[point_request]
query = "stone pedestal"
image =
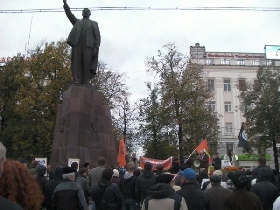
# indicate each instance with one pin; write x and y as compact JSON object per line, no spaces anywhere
{"x":83,"y":129}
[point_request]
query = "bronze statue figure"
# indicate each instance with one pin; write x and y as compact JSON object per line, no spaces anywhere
{"x":84,"y":39}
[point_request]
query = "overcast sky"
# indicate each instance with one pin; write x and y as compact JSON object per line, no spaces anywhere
{"x":128,"y":37}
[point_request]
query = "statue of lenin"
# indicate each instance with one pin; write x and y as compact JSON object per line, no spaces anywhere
{"x":84,"y":39}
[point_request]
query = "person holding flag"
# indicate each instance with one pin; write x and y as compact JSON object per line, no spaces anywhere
{"x":203,"y":157}
{"x":243,"y":139}
{"x":122,"y":153}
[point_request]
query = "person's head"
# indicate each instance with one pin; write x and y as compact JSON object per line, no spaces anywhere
{"x":165,"y":178}
{"x":19,"y":186}
{"x":159,"y":167}
{"x":68,"y":173}
{"x":148,"y":166}
{"x":262,"y":161}
{"x":218,"y":173}
{"x":177,"y":180}
{"x":41,"y":170}
{"x":130,"y":167}
{"x":83,"y":171}
{"x":240,"y":180}
{"x":86,"y":165}
{"x":2,"y":157}
{"x":215,"y":180}
{"x":217,"y":155}
{"x":137,"y":172}
{"x":134,"y":155}
{"x":116,"y":173}
{"x":86,"y":13}
{"x":107,"y":174}
{"x":23,"y":161}
{"x":101,"y":161}
{"x":58,"y":173}
{"x":188,"y":175}
{"x":201,"y":152}
{"x":33,"y":164}
{"x":74,"y":165}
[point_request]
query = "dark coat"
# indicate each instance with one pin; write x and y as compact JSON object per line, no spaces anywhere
{"x":144,"y":182}
{"x":50,"y":186}
{"x":41,"y":180}
{"x":216,"y":195}
{"x":69,"y":195}
{"x":241,"y":199}
{"x":5,"y":204}
{"x":264,"y":189}
{"x":195,"y":198}
{"x":269,"y":170}
{"x":107,"y":196}
{"x":127,"y":186}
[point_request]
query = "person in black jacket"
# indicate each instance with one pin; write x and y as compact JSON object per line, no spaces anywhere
{"x":144,"y":182}
{"x":69,"y":194}
{"x":127,"y":187}
{"x":195,"y":198}
{"x":106,"y":194}
{"x":42,"y":180}
{"x":51,"y":185}
{"x":266,"y":191}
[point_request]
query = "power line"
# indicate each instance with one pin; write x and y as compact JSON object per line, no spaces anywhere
{"x":263,"y":9}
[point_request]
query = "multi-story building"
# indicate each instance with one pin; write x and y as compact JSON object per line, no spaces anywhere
{"x":226,"y":74}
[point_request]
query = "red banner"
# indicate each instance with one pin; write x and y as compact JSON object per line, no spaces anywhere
{"x":166,"y":163}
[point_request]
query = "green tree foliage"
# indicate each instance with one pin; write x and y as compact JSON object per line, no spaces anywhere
{"x":261,"y":107}
{"x":181,"y":95}
{"x":31,"y":89}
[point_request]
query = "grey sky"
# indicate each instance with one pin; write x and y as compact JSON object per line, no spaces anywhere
{"x":128,"y":37}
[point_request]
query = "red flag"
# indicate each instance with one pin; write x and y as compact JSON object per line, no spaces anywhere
{"x":122,"y":153}
{"x":202,"y":146}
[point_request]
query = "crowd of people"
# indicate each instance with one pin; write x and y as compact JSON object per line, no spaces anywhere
{"x":151,"y":188}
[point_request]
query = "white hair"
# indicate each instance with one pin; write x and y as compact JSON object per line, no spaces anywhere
{"x":68,"y":176}
{"x":2,"y":152}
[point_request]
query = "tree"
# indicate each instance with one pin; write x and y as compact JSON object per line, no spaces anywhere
{"x":260,"y":105}
{"x":31,"y":89}
{"x":183,"y":95}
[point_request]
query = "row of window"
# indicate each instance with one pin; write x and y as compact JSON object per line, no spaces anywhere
{"x":227,"y":106}
{"x":227,"y":84}
{"x":240,"y":62}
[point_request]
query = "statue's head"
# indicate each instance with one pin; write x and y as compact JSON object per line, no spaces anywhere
{"x":86,"y":13}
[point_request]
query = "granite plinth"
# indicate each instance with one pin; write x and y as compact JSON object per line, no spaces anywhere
{"x":83,"y":128}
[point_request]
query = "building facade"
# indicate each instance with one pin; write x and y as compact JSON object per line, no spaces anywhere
{"x":226,"y":74}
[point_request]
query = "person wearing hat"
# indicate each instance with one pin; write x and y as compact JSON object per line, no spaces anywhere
{"x":162,"y":196}
{"x":207,"y":183}
{"x":194,"y":197}
{"x":41,"y":180}
{"x":241,"y":199}
{"x":144,"y":182}
{"x":216,"y":193}
{"x":69,"y":194}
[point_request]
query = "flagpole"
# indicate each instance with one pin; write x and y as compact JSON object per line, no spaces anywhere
{"x":189,"y":156}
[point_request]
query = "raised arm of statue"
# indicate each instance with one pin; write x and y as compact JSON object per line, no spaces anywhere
{"x":69,"y":14}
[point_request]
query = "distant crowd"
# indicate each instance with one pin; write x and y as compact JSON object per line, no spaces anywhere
{"x":132,"y":188}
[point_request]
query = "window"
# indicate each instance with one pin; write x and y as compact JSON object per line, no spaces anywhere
{"x":209,"y":62}
{"x":212,"y":106}
{"x":225,"y":61}
{"x":255,"y":62}
{"x":227,"y":106}
{"x":257,"y":86}
{"x":240,"y":62}
{"x":228,"y":128}
{"x":227,"y":85}
{"x":242,"y":85}
{"x":211,"y":85}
